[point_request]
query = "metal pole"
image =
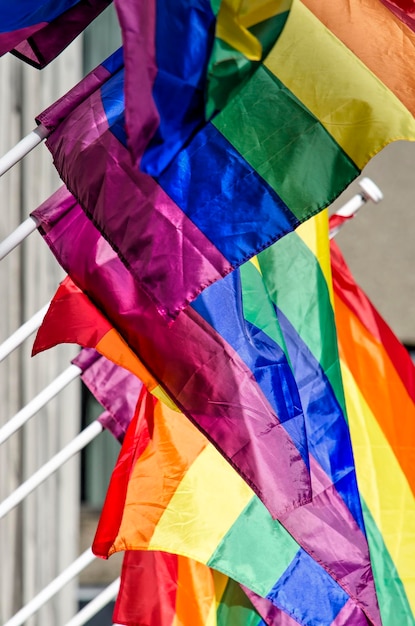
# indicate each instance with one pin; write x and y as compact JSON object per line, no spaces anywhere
{"x":22,"y":333}
{"x":77,"y":444}
{"x":370,"y":191}
{"x":49,"y":392}
{"x":17,"y":236}
{"x":92,"y":608}
{"x":48,"y":592}
{"x":25,"y":145}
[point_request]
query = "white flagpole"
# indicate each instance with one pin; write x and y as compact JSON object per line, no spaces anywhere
{"x":17,"y":236}
{"x":92,"y":608}
{"x":370,"y":191}
{"x":25,"y":145}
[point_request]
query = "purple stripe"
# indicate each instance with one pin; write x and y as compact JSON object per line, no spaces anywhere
{"x":10,"y":40}
{"x":40,"y":48}
{"x":138,"y":24}
{"x":350,"y":614}
{"x":54,"y":115}
{"x":326,"y":529}
{"x":199,"y":370}
{"x":86,"y":358}
{"x":272,"y":615}
{"x":115,"y":388}
{"x":150,"y":229}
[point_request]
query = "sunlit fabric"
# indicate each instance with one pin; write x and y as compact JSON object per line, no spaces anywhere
{"x":403,"y":9}
{"x":37,"y":32}
{"x":379,"y":383}
{"x":113,"y":387}
{"x":323,"y":602}
{"x":176,"y":591}
{"x":248,"y":176}
{"x":280,"y":304}
{"x":164,"y":495}
{"x":188,"y":359}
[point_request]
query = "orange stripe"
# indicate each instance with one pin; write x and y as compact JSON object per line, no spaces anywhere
{"x":156,"y":475}
{"x":195,"y":593}
{"x":377,"y":37}
{"x":370,"y":365}
{"x":113,"y":347}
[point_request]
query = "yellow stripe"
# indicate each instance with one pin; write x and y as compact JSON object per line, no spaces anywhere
{"x":382,"y":484}
{"x":201,"y":508}
{"x":315,"y":234}
{"x":236,"y":16}
{"x":355,"y":107}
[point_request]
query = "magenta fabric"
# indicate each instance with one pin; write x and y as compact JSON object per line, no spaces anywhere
{"x":138,"y":23}
{"x":198,"y":369}
{"x":115,"y":388}
{"x":145,"y":223}
{"x":41,"y":43}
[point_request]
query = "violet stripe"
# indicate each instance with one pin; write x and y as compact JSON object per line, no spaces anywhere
{"x":272,"y":615}
{"x":48,"y":42}
{"x":116,"y":389}
{"x":326,"y":529}
{"x":54,"y":115}
{"x":350,"y":614}
{"x":200,"y":372}
{"x":9,"y":40}
{"x":138,"y":24}
{"x":150,"y":229}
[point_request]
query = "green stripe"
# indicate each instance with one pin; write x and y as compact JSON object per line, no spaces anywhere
{"x":393,"y":601}
{"x":235,"y":609}
{"x":215,"y":6}
{"x":286,"y":144}
{"x":270,"y":546}
{"x":293,"y":280}
{"x":228,"y":68}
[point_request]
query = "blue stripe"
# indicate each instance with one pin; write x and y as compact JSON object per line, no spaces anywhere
{"x":225,"y":197}
{"x":30,"y":12}
{"x":221,"y":306}
{"x":114,"y":62}
{"x":184,"y":38}
{"x":112,"y":98}
{"x":327,"y":430}
{"x":307,"y":593}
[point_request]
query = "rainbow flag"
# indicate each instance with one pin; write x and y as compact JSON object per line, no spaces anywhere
{"x":257,"y":424}
{"x":160,"y":589}
{"x":272,"y":163}
{"x":101,"y":376}
{"x":379,"y":383}
{"x":163,"y":495}
{"x":37,"y":32}
{"x":403,"y":9}
{"x":330,"y":528}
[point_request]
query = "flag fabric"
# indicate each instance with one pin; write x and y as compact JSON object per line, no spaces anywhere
{"x":164,"y":495}
{"x":37,"y":32}
{"x":179,"y":229}
{"x":379,"y":382}
{"x":104,"y":377}
{"x":160,"y":589}
{"x":283,"y":302}
{"x":115,"y":388}
{"x":403,"y":9}
{"x":252,"y":412}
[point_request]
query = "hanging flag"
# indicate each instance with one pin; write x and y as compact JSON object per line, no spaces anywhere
{"x":403,"y":9}
{"x":160,"y":589}
{"x":37,"y":32}
{"x":251,"y":412}
{"x":101,"y":377}
{"x":164,"y":495}
{"x":245,"y":178}
{"x":241,"y":312}
{"x":379,"y":383}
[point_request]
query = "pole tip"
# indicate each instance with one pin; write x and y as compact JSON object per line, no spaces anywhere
{"x":370,"y":190}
